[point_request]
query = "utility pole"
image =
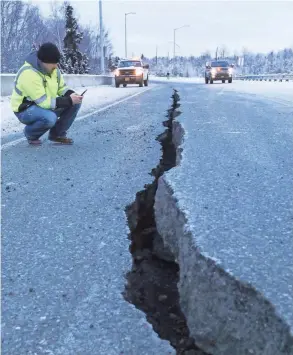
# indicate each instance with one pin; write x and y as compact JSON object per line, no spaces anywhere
{"x":156,"y":55}
{"x":101,"y":38}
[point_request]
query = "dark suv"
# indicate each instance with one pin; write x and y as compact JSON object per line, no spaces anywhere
{"x":218,"y":70}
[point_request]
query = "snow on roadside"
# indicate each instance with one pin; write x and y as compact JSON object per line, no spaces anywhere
{"x":176,"y":79}
{"x":94,"y":98}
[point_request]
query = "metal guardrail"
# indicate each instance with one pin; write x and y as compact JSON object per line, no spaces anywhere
{"x":265,"y":77}
{"x":72,"y":80}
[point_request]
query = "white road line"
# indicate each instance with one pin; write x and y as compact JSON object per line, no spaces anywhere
{"x":15,"y":142}
{"x":12,"y":143}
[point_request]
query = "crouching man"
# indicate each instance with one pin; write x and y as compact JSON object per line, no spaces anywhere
{"x":41,"y":100}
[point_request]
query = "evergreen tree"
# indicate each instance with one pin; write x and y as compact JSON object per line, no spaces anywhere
{"x":72,"y":60}
{"x":111,"y":64}
{"x":116,"y":61}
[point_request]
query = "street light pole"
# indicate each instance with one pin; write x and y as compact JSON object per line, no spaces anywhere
{"x":101,"y":38}
{"x":174,"y":40}
{"x":128,"y":13}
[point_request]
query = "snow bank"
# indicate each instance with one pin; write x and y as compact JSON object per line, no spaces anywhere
{"x":94,"y":98}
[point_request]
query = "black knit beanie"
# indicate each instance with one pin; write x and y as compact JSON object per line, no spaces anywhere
{"x":49,"y":53}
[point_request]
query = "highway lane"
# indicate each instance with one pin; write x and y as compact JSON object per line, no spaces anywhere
{"x":64,"y":235}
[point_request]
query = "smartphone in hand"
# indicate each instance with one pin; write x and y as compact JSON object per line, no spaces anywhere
{"x":83,"y":92}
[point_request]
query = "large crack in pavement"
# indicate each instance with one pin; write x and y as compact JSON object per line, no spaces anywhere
{"x":152,"y":282}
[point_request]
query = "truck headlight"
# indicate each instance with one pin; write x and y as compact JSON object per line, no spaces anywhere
{"x":117,"y":72}
{"x":138,"y":71}
{"x":230,"y":71}
{"x":213,"y":71}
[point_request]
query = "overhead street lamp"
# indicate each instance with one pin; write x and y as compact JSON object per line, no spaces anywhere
{"x":126,"y":14}
{"x":174,"y":40}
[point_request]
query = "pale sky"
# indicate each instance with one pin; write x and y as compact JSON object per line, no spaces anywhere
{"x":257,"y":25}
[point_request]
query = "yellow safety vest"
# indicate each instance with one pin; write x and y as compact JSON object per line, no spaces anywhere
{"x":33,"y":85}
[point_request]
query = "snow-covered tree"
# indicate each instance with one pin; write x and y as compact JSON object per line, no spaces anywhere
{"x":73,"y":61}
{"x":254,"y":63}
{"x":21,"y":26}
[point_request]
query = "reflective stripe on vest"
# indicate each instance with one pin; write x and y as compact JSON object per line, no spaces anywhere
{"x":19,"y":92}
{"x":53,"y":103}
{"x":64,"y":88}
{"x":16,"y":79}
{"x":58,"y":77}
{"x":41,"y":99}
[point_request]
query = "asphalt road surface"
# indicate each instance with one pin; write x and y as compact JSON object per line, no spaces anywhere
{"x":235,"y":184}
{"x":65,"y":236}
{"x":64,"y":243}
{"x":237,"y":179}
